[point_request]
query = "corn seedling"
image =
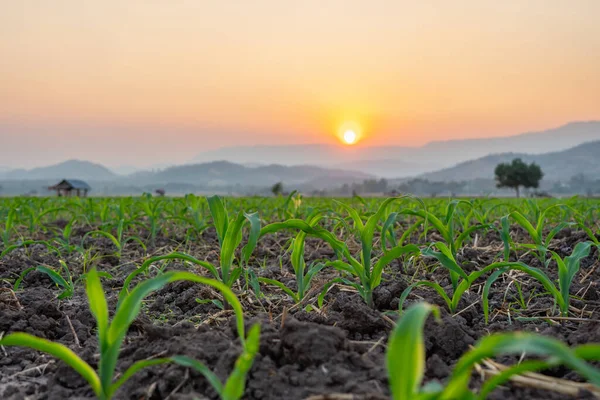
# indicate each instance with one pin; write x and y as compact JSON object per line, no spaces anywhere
{"x":406,"y":360}
{"x":541,"y":244}
{"x":303,"y":277}
{"x":66,"y":282}
{"x":453,"y":240}
{"x":112,"y":333}
{"x":9,"y":226}
{"x":26,"y":244}
{"x":367,"y":269}
{"x":229,"y":233}
{"x":152,"y":211}
{"x":118,"y":241}
{"x":234,"y":387}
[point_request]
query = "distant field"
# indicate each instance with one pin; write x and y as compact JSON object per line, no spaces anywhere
{"x":332,"y":283}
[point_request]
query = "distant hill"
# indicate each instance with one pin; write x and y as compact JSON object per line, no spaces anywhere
{"x":74,"y":169}
{"x":399,"y":161}
{"x":223,"y":173}
{"x":557,"y":166}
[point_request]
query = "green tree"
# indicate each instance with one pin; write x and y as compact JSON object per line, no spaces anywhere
{"x":277,"y":188}
{"x":517,"y":173}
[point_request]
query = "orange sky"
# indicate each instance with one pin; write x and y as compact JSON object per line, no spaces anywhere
{"x":173,"y":77}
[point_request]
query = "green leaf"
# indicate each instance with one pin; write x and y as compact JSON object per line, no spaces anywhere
{"x":314,"y":269}
{"x":345,"y":267}
{"x":302,"y":225}
{"x":170,"y":256}
{"x":445,"y":258}
{"x":281,"y":286}
{"x":28,"y":243}
{"x":405,"y":357}
{"x":486,"y":290}
{"x":581,"y":251}
{"x":358,"y":224}
{"x":525,"y":224}
{"x":19,"y":280}
{"x":366,"y":235}
{"x":107,"y":235}
{"x":568,"y":268}
{"x":515,"y":343}
{"x":232,"y":240}
{"x":59,"y":351}
{"x":219,"y":215}
{"x":388,"y":231}
{"x":59,"y":280}
{"x":433,"y":285}
{"x":505,"y":236}
{"x":388,"y":257}
{"x":210,"y":376}
{"x":236,"y":383}
{"x":252,"y":236}
{"x":99,"y":309}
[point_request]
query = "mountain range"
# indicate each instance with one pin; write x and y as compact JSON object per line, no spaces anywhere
{"x":401,"y":161}
{"x":68,"y":169}
{"x":212,"y":174}
{"x":557,"y":166}
{"x":562,"y":153}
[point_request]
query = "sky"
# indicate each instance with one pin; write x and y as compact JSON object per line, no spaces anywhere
{"x":144,"y":82}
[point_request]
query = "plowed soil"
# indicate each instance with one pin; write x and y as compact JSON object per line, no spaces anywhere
{"x":339,"y":349}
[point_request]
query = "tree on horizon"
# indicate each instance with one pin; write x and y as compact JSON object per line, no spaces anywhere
{"x":518,"y":173}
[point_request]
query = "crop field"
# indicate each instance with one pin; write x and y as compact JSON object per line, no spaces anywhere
{"x":299,"y":298}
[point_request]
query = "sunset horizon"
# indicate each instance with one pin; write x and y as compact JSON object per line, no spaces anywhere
{"x":93,"y":154}
{"x":96,"y":80}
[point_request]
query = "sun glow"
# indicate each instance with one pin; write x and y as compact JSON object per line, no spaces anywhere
{"x":350,"y":137}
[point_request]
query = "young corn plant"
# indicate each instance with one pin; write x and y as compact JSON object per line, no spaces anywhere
{"x":406,"y":360}
{"x":303,"y":276}
{"x":66,"y":282}
{"x":27,"y":243}
{"x":541,"y":244}
{"x":64,"y":240}
{"x":112,"y":333}
{"x":447,"y":260}
{"x":592,"y":237}
{"x":229,"y":233}
{"x":152,"y":209}
{"x":504,"y":232}
{"x":367,"y":268}
{"x":453,"y":239}
{"x":568,"y":268}
{"x":295,"y":200}
{"x":234,"y":387}
{"x":118,"y":241}
{"x":193,"y":215}
{"x":9,"y":226}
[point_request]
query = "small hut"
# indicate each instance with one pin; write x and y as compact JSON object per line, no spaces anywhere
{"x":67,"y":187}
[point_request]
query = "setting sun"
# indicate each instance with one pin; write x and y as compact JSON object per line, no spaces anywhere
{"x":349,"y":137}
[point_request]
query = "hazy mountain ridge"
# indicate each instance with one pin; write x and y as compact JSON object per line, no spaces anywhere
{"x":215,"y":174}
{"x":75,"y":169}
{"x":402,"y":161}
{"x":556,"y":166}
